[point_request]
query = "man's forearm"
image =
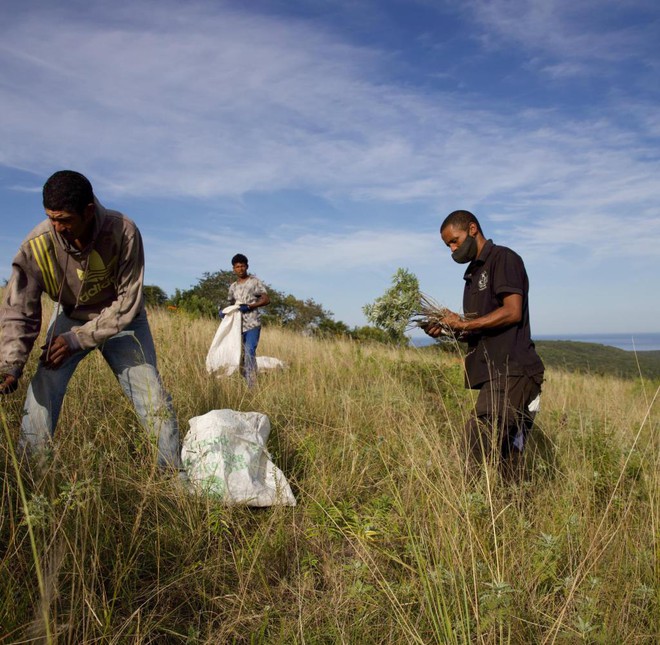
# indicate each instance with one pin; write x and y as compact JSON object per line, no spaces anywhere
{"x":261,"y":302}
{"x":510,"y":313}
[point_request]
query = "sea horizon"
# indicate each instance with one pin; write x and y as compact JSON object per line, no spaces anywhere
{"x":630,"y":342}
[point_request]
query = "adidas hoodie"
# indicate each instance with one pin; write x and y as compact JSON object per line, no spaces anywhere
{"x":101,"y":286}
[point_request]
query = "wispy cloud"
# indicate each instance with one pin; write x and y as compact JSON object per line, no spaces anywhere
{"x":590,"y":30}
{"x":226,"y":103}
{"x":329,"y":253}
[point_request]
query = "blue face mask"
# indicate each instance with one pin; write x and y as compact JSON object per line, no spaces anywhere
{"x":466,"y":252}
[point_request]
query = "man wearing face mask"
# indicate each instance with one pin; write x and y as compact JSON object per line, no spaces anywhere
{"x":501,"y":361}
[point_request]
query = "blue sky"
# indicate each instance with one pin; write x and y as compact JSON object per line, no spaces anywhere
{"x":327,"y":140}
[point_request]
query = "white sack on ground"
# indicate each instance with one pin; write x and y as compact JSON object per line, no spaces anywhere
{"x":270,"y":363}
{"x":225,"y":454}
{"x":225,"y":350}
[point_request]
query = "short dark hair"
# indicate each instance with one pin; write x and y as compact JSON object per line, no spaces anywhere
{"x":68,"y":190}
{"x":460,"y":219}
{"x":239,"y":258}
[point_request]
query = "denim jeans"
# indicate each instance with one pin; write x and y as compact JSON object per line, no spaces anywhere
{"x":250,"y":342}
{"x":132,"y":357}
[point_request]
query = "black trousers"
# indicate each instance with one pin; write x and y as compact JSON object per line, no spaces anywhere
{"x":502,"y":419}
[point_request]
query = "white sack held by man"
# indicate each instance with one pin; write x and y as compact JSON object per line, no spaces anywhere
{"x":225,"y":350}
{"x":226,"y":347}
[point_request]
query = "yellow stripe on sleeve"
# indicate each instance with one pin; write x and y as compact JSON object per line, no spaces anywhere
{"x":42,"y":257}
{"x":51,"y":268}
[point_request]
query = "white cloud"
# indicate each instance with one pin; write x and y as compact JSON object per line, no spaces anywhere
{"x":564,"y":70}
{"x":223,"y":103}
{"x":589,"y":30}
{"x":335,"y":253}
{"x":596,"y":238}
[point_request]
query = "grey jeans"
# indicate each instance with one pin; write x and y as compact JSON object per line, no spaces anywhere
{"x":132,"y":357}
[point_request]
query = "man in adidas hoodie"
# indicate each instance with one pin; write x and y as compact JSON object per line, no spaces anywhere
{"x":90,"y":261}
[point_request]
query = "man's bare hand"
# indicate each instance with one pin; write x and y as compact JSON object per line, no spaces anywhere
{"x":55,"y":353}
{"x":454,"y":321}
{"x":8,"y":384}
{"x":434,"y":330}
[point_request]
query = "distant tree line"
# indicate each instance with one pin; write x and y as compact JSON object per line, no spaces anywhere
{"x":285,"y":310}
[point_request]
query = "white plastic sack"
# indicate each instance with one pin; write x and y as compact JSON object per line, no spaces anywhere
{"x":225,"y":454}
{"x":535,"y":405}
{"x":270,"y":363}
{"x":533,"y":408}
{"x":225,"y":350}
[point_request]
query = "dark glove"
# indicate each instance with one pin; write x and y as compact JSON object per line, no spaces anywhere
{"x":221,"y":313}
{"x":244,"y":309}
{"x":8,"y":384}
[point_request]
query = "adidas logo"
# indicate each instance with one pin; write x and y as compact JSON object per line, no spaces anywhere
{"x":96,"y":270}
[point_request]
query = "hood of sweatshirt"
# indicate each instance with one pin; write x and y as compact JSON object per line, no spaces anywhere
{"x":73,"y":251}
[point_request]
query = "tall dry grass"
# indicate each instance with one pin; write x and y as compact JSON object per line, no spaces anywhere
{"x":389,"y":542}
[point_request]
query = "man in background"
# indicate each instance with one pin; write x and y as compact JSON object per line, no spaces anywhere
{"x":250,"y":293}
{"x":90,"y":261}
{"x":501,"y":360}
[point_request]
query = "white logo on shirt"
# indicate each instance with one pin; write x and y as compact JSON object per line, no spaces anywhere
{"x":483,"y":281}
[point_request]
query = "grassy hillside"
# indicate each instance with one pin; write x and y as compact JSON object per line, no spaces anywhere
{"x":389,"y":542}
{"x":594,"y":358}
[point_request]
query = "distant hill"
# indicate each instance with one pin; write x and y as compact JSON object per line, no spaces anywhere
{"x":594,"y":358}
{"x":583,"y":357}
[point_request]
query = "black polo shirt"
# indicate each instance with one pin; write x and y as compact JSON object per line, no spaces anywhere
{"x":505,"y":351}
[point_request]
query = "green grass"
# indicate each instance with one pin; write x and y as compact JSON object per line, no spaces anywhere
{"x":388,"y":544}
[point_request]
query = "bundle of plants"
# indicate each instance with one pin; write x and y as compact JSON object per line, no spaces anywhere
{"x":428,"y":313}
{"x":403,"y":307}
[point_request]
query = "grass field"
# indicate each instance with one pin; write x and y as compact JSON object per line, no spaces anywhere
{"x":388,"y":543}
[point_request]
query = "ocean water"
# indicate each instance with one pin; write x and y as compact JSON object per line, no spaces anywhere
{"x":629,"y":342}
